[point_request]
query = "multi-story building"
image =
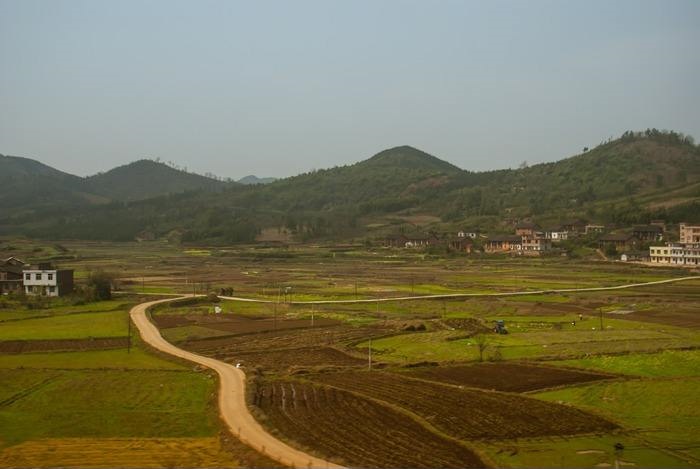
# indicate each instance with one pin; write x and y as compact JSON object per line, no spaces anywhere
{"x":504,"y":243}
{"x":536,"y":243}
{"x":45,"y":279}
{"x":675,"y":254}
{"x":648,"y":232}
{"x":591,"y":228}
{"x":689,"y":234}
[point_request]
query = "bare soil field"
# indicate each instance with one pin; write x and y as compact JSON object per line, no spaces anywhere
{"x":467,"y":413}
{"x":237,"y":324}
{"x":318,"y":336}
{"x":355,"y":431}
{"x":681,"y":317}
{"x":290,"y":359}
{"x":508,"y":377}
{"x":62,"y":345}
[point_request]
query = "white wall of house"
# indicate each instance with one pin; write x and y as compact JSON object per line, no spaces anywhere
{"x":40,"y":282}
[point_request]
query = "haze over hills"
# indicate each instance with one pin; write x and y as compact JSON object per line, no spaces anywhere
{"x":631,"y":179}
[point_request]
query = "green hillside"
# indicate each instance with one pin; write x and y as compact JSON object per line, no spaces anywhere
{"x":144,"y":179}
{"x":28,"y":187}
{"x":633,"y":179}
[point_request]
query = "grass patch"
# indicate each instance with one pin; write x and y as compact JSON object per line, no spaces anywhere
{"x":70,"y":326}
{"x":665,"y":412}
{"x":666,"y":363}
{"x":578,"y":452}
{"x":96,"y":359}
{"x":112,"y":403}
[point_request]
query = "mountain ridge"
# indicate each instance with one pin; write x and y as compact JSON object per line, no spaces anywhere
{"x":630,"y":179}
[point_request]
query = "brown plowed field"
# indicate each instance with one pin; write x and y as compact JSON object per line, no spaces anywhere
{"x":62,"y":345}
{"x":510,"y":377}
{"x":468,"y":413}
{"x":236,"y":324}
{"x":355,"y":431}
{"x":673,"y":317}
{"x":270,"y":340}
{"x":298,"y":357}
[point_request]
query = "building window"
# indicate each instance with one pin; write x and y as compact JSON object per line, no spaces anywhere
{"x":50,"y":276}
{"x":27,"y":276}
{"x":52,"y":289}
{"x":37,"y":276}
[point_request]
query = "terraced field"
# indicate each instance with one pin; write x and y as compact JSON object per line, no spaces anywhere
{"x":355,"y":431}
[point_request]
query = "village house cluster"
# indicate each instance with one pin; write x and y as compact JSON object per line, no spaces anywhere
{"x":43,"y":279}
{"x":685,"y":252}
{"x":530,"y":239}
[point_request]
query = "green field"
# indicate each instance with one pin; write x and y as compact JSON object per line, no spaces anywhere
{"x":69,"y":326}
{"x":663,"y":412}
{"x":110,"y":403}
{"x":137,"y":359}
{"x":139,"y":395}
{"x":666,"y":363}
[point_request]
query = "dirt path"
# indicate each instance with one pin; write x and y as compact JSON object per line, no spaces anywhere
{"x":232,"y":403}
{"x":468,"y":295}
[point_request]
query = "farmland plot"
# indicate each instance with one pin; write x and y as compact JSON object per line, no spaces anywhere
{"x":467,"y":413}
{"x":510,"y":377}
{"x":355,"y":431}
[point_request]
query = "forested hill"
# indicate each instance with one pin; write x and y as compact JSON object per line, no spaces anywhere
{"x":145,"y":179}
{"x":28,"y":186}
{"x":638,"y":176}
{"x":30,"y":189}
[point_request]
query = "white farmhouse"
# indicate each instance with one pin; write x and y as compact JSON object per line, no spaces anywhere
{"x":47,"y":280}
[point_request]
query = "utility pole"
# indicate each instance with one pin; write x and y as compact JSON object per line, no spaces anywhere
{"x":369,"y":355}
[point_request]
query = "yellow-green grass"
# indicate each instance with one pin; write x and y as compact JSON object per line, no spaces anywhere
{"x":664,"y":412}
{"x":95,"y":359}
{"x":587,"y":451}
{"x":70,"y":326}
{"x":665,"y":363}
{"x":111,"y":403}
{"x":16,"y":381}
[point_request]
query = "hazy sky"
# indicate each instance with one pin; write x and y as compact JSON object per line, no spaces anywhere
{"x":276,"y":88}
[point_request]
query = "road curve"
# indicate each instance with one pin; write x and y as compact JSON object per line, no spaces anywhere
{"x":232,"y":403}
{"x":444,"y":296}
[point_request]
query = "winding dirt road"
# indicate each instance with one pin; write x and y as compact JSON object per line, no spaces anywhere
{"x":232,"y":403}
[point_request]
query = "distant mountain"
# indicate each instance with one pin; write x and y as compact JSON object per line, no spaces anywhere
{"x":28,"y":186}
{"x":252,"y":180}
{"x":630,"y":180}
{"x":144,"y":179}
{"x":407,"y":157}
